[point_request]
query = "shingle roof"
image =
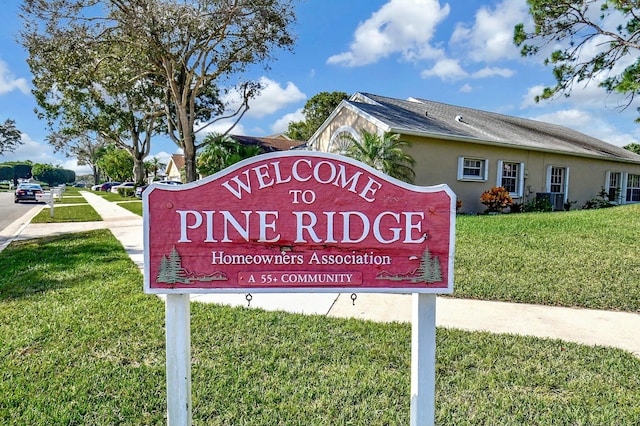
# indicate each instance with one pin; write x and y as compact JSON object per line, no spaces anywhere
{"x":178,"y":160}
{"x":429,"y":118}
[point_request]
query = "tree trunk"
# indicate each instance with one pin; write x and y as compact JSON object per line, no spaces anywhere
{"x":96,"y":175}
{"x":139,"y":175}
{"x":190,"y":171}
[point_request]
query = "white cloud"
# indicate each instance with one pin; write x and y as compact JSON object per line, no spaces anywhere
{"x":588,"y":123}
{"x":493,"y":71}
{"x":528,"y":100}
{"x":490,"y":38}
{"x":450,"y":70}
{"x":72,"y":164}
{"x":466,"y":88}
{"x":400,"y":26}
{"x":221,"y":127}
{"x":446,"y":69}
{"x":282,"y":124}
{"x":272,"y":98}
{"x":9,"y":83}
{"x":33,"y":151}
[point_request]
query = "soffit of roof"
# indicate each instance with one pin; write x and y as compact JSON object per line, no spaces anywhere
{"x":428,"y":118}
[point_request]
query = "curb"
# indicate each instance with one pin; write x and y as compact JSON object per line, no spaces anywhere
{"x":14,"y":230}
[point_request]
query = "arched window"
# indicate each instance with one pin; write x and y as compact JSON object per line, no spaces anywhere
{"x":339,"y":144}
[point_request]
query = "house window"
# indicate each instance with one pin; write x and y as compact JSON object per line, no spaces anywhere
{"x":511,"y":177}
{"x":557,"y":180}
{"x":472,"y":169}
{"x":633,"y":188}
{"x":341,"y":140}
{"x":557,"y":185}
{"x":614,"y":183}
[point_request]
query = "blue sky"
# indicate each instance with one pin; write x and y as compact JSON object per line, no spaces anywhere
{"x":457,"y":52}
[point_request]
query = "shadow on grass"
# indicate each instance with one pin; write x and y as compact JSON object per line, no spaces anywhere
{"x":34,"y":266}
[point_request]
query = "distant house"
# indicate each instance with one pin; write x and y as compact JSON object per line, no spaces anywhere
{"x":473,"y":150}
{"x":175,"y":167}
{"x":267,"y":144}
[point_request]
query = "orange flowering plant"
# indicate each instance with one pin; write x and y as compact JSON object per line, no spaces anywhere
{"x":496,"y":199}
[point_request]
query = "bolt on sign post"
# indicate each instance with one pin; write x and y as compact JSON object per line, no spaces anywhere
{"x":298,"y":222}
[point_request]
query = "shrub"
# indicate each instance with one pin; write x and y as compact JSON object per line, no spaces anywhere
{"x":600,"y":201}
{"x":127,"y":192}
{"x":496,"y":199}
{"x":538,"y":205}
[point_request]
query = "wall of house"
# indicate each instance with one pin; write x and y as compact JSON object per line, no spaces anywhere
{"x":438,"y":160}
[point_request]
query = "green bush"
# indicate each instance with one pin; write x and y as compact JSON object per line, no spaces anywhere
{"x":127,"y":192}
{"x":600,"y":201}
{"x":538,"y":205}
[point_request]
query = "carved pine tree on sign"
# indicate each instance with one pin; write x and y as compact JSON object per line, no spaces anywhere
{"x":171,"y":270}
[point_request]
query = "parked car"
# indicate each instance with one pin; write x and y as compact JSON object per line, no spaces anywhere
{"x":106,"y":187}
{"x":140,"y":189}
{"x":96,"y":187}
{"x":27,"y":192}
{"x":124,"y":185}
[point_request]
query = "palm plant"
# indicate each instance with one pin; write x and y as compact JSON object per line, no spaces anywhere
{"x":384,"y":153}
{"x":222,"y":151}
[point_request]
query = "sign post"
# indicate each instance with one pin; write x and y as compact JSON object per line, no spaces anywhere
{"x":298,"y":222}
{"x":47,"y":197}
{"x":178,"y":340}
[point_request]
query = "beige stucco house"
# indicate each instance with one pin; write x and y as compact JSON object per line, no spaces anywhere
{"x":473,"y":150}
{"x":174,"y":168}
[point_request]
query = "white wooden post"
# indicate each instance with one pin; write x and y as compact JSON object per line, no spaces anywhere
{"x":423,"y":360}
{"x":178,"y":333}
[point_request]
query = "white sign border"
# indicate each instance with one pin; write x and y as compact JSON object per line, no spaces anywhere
{"x":282,"y":154}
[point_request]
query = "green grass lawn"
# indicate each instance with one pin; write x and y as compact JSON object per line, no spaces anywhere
{"x":68,"y":198}
{"x":581,"y":258}
{"x":110,"y":196}
{"x":586,"y":258}
{"x":80,"y":213}
{"x":132,"y":206}
{"x":83,"y":345}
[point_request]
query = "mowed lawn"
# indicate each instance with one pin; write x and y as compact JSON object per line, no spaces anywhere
{"x":81,"y":344}
{"x":583,"y":258}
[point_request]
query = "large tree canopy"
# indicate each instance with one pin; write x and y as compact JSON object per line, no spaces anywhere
{"x":181,"y":50}
{"x":584,"y":40}
{"x":10,"y":137}
{"x":116,"y":163}
{"x":315,"y":111}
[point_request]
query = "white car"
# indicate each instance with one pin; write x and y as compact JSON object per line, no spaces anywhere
{"x":124,"y":185}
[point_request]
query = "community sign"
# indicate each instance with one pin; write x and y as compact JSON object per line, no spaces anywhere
{"x":295,"y":222}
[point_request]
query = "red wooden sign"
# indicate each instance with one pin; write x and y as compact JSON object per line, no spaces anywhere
{"x":293,"y":221}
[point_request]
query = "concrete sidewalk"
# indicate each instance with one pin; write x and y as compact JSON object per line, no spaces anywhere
{"x":585,"y":326}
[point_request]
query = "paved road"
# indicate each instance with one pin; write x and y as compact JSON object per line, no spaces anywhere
{"x":9,"y":213}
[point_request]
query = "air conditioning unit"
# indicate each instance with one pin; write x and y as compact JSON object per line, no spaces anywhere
{"x":557,"y":201}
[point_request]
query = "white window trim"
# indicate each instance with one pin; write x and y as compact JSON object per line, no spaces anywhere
{"x":337,"y":133}
{"x":462,"y":177}
{"x":520,"y":184}
{"x":607,"y":187}
{"x":625,"y":186}
{"x":566,"y":180}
